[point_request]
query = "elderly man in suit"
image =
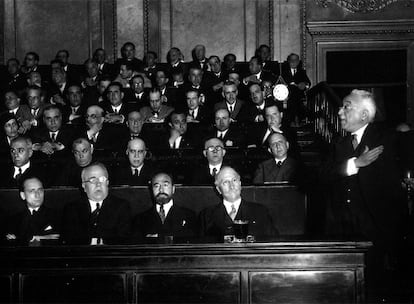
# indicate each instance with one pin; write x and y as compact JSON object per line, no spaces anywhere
{"x":35,"y":221}
{"x":362,"y":178}
{"x":214,"y":152}
{"x":97,"y":217}
{"x":137,"y":172}
{"x":53,"y":137}
{"x":70,"y":174}
{"x":366,"y":191}
{"x":104,"y":136}
{"x":165,"y":218}
{"x":21,"y":167}
{"x":281,"y":167}
{"x":216,"y":221}
{"x":35,"y":101}
{"x":74,"y":112}
{"x":156,"y":112}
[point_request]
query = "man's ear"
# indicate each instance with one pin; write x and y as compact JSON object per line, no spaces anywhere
{"x":222,"y":94}
{"x":173,"y":189}
{"x":287,"y":145}
{"x":22,"y":195}
{"x":270,"y":150}
{"x":205,"y":153}
{"x":122,"y":95}
{"x":224,"y":152}
{"x":218,"y":190}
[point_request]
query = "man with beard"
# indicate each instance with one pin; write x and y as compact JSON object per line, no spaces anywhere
{"x":97,"y":217}
{"x":165,"y":218}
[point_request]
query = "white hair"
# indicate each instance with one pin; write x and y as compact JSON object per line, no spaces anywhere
{"x":366,"y":101}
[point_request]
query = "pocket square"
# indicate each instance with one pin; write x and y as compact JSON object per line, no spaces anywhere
{"x":48,"y":228}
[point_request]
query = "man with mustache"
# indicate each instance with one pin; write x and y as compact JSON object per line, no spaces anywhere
{"x":165,"y":218}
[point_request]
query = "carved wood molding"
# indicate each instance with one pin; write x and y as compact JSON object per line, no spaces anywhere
{"x":271,"y":24}
{"x":336,"y":28}
{"x":361,"y":6}
{"x":146,"y":26}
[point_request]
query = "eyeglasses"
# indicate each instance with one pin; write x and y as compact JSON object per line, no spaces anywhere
{"x":96,"y":180}
{"x":214,"y":148}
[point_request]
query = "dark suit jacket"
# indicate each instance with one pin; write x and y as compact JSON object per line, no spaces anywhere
{"x":233,"y":135}
{"x":186,"y":141}
{"x":25,"y":225}
{"x":137,"y":64}
{"x":268,"y":171}
{"x":241,"y":110}
{"x":67,"y":111}
{"x":300,"y":75}
{"x":65,"y":136}
{"x":122,"y":175}
{"x":7,"y":172}
{"x":146,"y":112}
{"x":111,"y":137}
{"x":201,"y":175}
{"x":257,"y":131}
{"x":204,"y":115}
{"x":114,"y":221}
{"x":180,"y":223}
{"x":125,"y":109}
{"x":134,"y":101}
{"x":215,"y":221}
{"x":368,"y":203}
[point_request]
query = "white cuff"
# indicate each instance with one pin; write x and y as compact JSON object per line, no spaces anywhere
{"x":351,"y":168}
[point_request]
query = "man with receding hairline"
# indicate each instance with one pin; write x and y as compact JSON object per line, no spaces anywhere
{"x":361,"y":173}
{"x":137,"y":171}
{"x":216,"y":221}
{"x":97,"y":217}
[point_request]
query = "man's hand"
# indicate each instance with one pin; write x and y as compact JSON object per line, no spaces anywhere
{"x":10,"y":236}
{"x":47,"y":148}
{"x":57,"y":99}
{"x":368,"y":156}
{"x":114,"y":118}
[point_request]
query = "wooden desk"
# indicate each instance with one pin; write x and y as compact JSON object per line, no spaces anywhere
{"x":281,"y":272}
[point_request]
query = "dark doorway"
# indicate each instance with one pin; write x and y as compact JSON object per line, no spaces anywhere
{"x":382,"y":72}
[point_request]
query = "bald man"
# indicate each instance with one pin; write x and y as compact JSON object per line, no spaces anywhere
{"x":216,"y":221}
{"x":97,"y":217}
{"x":137,"y":171}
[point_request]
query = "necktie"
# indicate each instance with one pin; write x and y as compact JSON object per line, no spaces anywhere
{"x":116,"y":111}
{"x":233,"y":212}
{"x":53,"y":136}
{"x":136,"y":173}
{"x":293,"y":72}
{"x":155,"y":114}
{"x":162,"y":213}
{"x":192,"y":113}
{"x":354,"y":141}
{"x":34,"y":112}
{"x":18,"y":175}
{"x":73,"y":110}
{"x":231,"y":109}
{"x":94,"y":219}
{"x":279,"y":164}
{"x":214,"y":172}
{"x":34,"y":212}
{"x":220,"y":135}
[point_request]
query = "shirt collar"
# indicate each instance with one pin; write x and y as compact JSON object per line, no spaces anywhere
{"x":139,"y":168}
{"x":93,"y":204}
{"x":228,"y":205}
{"x":218,"y":167}
{"x":24,"y":167}
{"x":359,"y":133}
{"x":118,"y":107}
{"x":167,"y":207}
{"x":33,"y":209}
{"x":280,"y":159}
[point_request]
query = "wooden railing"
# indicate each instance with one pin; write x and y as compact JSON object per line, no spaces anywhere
{"x":325,"y":104}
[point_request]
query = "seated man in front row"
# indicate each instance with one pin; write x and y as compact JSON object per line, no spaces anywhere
{"x":138,"y":172}
{"x":216,"y":221}
{"x":97,"y":217}
{"x":281,"y":167}
{"x":165,"y":217}
{"x":36,"y":221}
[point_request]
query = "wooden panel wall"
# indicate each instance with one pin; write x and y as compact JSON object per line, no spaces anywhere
{"x":45,"y":26}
